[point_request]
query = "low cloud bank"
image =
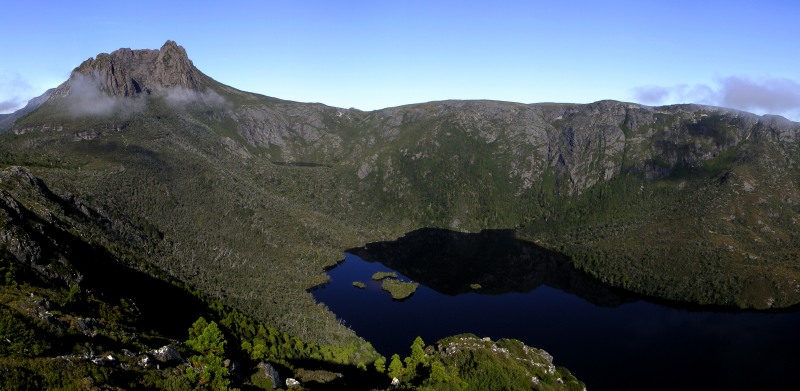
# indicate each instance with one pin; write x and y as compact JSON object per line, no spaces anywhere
{"x":11,"y":105}
{"x":764,"y":96}
{"x":86,"y":97}
{"x":180,"y":96}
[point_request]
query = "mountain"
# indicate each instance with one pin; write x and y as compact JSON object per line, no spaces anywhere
{"x":130,"y":73}
{"x":248,"y":198}
{"x":6,"y":120}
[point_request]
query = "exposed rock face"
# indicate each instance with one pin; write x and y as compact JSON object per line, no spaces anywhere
{"x":579,"y":145}
{"x":126,"y":72}
{"x":535,"y":365}
{"x":117,"y":83}
{"x":87,"y":326}
{"x":267,"y":371}
{"x":167,"y":354}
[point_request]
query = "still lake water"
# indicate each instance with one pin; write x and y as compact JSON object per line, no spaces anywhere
{"x":607,"y":338}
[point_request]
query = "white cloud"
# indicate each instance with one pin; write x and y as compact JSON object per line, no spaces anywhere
{"x":770,"y":95}
{"x":14,"y":92}
{"x":762,"y":96}
{"x":180,"y":96}
{"x":87,"y":98}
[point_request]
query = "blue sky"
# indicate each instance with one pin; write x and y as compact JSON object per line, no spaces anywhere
{"x":375,"y":54}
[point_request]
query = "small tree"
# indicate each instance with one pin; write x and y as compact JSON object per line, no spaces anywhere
{"x":416,"y":358}
{"x":438,"y":372}
{"x":206,"y":338}
{"x":439,"y":376}
{"x":207,"y":370}
{"x":418,"y":352}
{"x":396,"y":367}
{"x":380,"y":364}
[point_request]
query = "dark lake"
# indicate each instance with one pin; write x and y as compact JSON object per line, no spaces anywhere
{"x":609,"y":339}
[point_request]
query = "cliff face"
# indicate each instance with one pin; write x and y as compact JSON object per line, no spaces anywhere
{"x":126,"y":72}
{"x":577,"y":146}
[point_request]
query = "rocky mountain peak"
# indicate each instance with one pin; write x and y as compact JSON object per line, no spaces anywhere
{"x":125,"y":72}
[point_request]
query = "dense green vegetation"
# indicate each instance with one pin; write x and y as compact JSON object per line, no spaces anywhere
{"x":466,"y":362}
{"x":399,"y":289}
{"x":103,"y":328}
{"x":692,"y":238}
{"x":58,"y":346}
{"x":359,"y":284}
{"x":383,"y":275}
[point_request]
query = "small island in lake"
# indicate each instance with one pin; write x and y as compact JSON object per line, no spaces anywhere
{"x":359,"y":284}
{"x":400,"y":290}
{"x":381,"y":275}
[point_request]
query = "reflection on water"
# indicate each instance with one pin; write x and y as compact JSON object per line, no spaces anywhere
{"x":451,"y":262}
{"x":608,"y":339}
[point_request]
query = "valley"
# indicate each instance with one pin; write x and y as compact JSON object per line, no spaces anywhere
{"x":247,"y":199}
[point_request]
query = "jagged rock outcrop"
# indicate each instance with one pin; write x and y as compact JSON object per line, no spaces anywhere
{"x":126,"y":72}
{"x":120,"y":82}
{"x":530,"y":368}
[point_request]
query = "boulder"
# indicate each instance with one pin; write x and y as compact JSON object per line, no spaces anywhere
{"x":167,"y":354}
{"x":266,"y":371}
{"x":292,"y":382}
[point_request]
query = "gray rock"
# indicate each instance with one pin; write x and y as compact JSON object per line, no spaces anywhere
{"x":53,"y":322}
{"x":166,"y":354}
{"x":105,"y":360}
{"x":126,"y":72}
{"x":87,"y":326}
{"x":267,"y":371}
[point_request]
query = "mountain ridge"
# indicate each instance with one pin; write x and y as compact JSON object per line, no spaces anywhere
{"x":129,"y":73}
